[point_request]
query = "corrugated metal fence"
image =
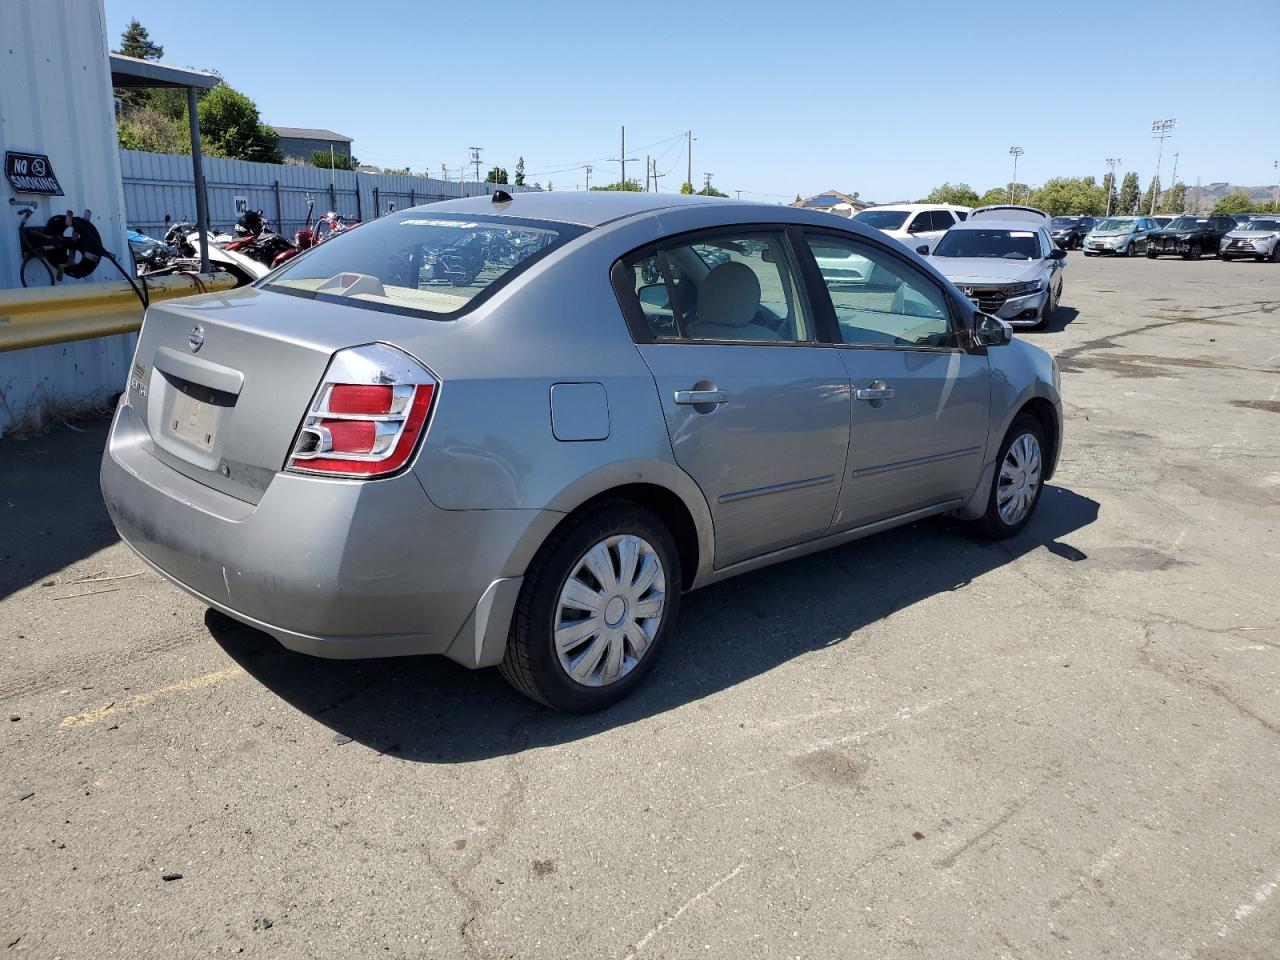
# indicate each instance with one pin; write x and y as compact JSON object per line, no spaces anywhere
{"x":156,"y":184}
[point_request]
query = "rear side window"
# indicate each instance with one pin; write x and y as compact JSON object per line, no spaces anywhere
{"x":419,"y":264}
{"x":942,"y":220}
{"x":736,"y":286}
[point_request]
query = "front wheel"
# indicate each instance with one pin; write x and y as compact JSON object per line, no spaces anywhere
{"x":596,"y":607}
{"x":1151,"y":254}
{"x":1016,"y":486}
{"x":1193,"y":253}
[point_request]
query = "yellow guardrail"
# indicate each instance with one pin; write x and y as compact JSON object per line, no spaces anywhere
{"x":36,"y":316}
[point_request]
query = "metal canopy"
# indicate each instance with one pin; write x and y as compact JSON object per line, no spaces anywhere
{"x":132,"y":72}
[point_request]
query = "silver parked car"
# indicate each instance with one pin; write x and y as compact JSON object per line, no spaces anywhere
{"x":1010,"y":269}
{"x":636,"y":396}
{"x":1258,"y":238}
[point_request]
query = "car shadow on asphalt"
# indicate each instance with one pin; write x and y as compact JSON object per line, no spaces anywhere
{"x":51,"y":509}
{"x":1062,"y":316}
{"x":428,"y":709}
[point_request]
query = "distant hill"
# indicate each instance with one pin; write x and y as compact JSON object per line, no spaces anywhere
{"x":1210,"y":193}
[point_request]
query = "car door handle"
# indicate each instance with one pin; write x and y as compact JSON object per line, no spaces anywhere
{"x":692,"y":397}
{"x":877,"y":391}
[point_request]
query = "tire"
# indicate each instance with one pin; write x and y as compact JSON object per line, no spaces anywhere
{"x":1226,"y":258}
{"x":1275,"y":253}
{"x":1046,"y":312}
{"x":1133,"y":249}
{"x":1261,"y":259}
{"x":1193,"y":253}
{"x":1151,"y":254}
{"x":1088,"y":254}
{"x":995,"y":523}
{"x":535,"y":666}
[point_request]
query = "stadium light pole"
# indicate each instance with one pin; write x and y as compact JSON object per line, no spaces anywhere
{"x":1014,"y":152}
{"x":1112,"y":162}
{"x":1161,"y":130}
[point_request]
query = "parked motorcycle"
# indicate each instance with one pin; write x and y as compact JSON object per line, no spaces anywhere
{"x":304,"y":239}
{"x":254,"y":240}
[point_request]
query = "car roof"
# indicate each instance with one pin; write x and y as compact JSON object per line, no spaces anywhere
{"x":991,"y":223}
{"x":587,"y":208}
{"x":915,"y":207}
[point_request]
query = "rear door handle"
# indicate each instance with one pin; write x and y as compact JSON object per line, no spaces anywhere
{"x":877,"y":391}
{"x":689,"y":397}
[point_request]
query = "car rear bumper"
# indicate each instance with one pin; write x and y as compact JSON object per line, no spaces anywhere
{"x":332,"y":568}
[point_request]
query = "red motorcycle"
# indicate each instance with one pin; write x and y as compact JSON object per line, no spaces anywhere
{"x":304,"y":239}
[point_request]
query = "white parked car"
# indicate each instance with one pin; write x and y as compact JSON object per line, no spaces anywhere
{"x":1258,"y":238}
{"x":915,"y":224}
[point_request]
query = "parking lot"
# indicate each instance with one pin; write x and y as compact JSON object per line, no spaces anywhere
{"x":919,"y":745}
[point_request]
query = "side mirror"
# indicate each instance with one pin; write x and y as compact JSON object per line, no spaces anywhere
{"x":1057,"y":253}
{"x":654,"y":295}
{"x":923,"y":249}
{"x":989,"y":331}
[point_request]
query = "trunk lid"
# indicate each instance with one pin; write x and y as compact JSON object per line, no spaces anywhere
{"x":223,"y":381}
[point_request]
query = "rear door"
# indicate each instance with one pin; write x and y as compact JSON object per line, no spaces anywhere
{"x":756,"y":408}
{"x":920,"y":404}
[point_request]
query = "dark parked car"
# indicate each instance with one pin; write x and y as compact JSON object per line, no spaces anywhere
{"x":1069,"y":232}
{"x":1190,"y":237}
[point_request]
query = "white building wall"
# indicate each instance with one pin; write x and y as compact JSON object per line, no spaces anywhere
{"x":56,"y":99}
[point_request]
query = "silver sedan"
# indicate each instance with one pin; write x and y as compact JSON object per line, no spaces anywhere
{"x":515,"y":431}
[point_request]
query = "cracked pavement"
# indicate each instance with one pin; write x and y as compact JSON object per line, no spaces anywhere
{"x":915,"y":746}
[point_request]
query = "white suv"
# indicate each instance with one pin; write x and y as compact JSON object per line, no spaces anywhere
{"x":915,"y":224}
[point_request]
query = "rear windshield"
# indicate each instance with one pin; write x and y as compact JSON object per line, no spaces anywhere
{"x":883,"y":219}
{"x":413,"y":262}
{"x":1187,"y":223}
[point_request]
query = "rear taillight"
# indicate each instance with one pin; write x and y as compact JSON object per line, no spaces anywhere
{"x":368,"y":415}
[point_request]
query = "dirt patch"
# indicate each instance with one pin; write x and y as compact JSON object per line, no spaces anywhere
{"x":830,"y":767}
{"x":1271,"y":406}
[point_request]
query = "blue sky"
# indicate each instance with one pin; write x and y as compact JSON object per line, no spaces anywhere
{"x":887,"y":99}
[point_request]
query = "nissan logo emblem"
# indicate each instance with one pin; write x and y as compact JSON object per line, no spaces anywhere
{"x":195,"y":339}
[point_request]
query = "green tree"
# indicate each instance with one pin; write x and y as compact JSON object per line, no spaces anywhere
{"x":136,"y":42}
{"x":628,"y":186}
{"x":994,"y":195}
{"x":1069,"y":195}
{"x":497,"y":175}
{"x":146,"y":128}
{"x":1127,"y":201}
{"x":687,"y":189}
{"x":230,"y":125}
{"x":710,"y":191}
{"x":959,"y":194}
{"x":339,"y":161}
{"x":1109,"y":193}
{"x":1175,"y":200}
{"x":1237,"y":202}
{"x":1152,"y":194}
{"x":520,"y":172}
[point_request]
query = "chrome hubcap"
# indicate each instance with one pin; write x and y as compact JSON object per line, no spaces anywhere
{"x":609,"y":610}
{"x":1019,"y":479}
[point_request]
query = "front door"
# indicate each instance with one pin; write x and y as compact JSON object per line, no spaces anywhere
{"x":921,"y":405}
{"x":757,"y":410}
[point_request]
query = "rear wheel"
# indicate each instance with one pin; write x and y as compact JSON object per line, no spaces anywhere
{"x":1016,"y":486}
{"x":595,"y":609}
{"x":1151,"y":254}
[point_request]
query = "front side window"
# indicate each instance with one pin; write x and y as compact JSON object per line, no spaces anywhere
{"x":735,"y":286}
{"x":878,"y":299}
{"x":415,"y":263}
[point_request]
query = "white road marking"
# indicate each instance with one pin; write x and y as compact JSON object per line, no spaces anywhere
{"x":1260,"y":896}
{"x":667,"y":921}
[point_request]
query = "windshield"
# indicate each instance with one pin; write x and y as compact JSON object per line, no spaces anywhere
{"x":1114,"y":225}
{"x":883,"y":219}
{"x":415,"y":263}
{"x":1262,"y":225}
{"x":1186,"y":223}
{"x":1002,"y":244}
{"x":1066,"y":221}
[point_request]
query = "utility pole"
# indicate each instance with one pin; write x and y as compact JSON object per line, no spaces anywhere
{"x":655,"y":174}
{"x":1014,"y":152}
{"x":739,"y":193}
{"x":622,"y":158}
{"x":648,"y":171}
{"x":475,"y":158}
{"x":587,"y":168}
{"x":1160,"y":130}
{"x":1112,"y":162}
{"x":706,"y":182}
{"x":689,"y":154}
{"x":1275,"y":192}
